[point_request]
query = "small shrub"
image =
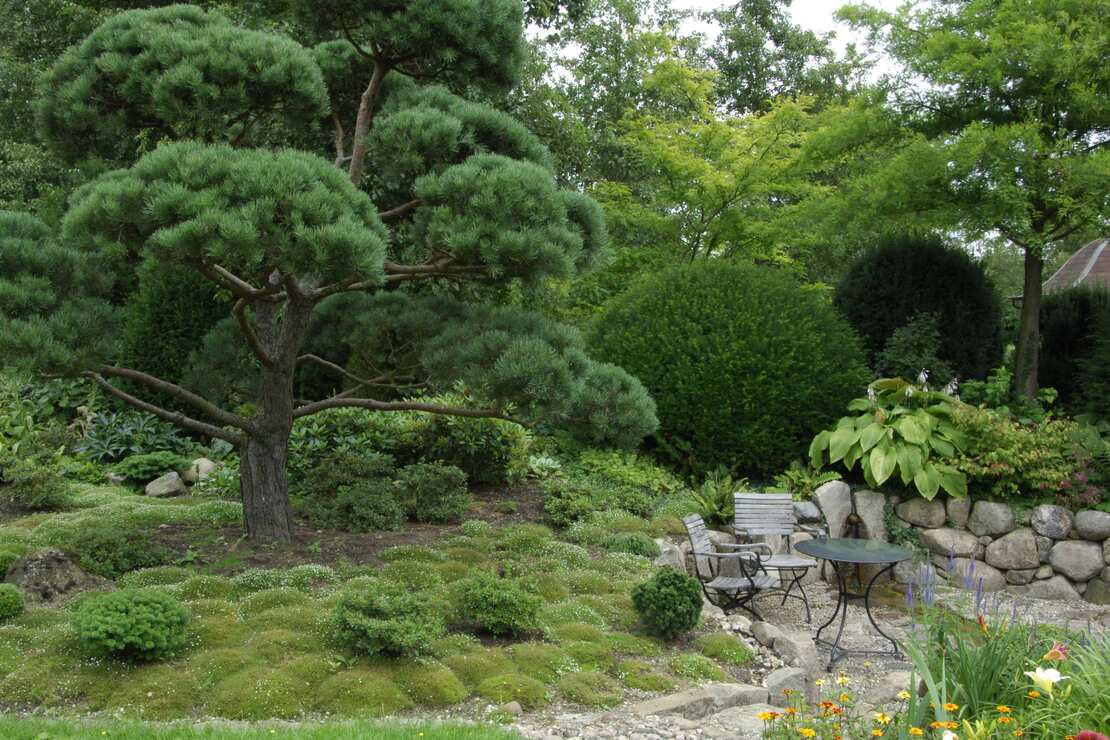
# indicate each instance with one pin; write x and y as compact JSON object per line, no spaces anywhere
{"x":112,"y":551}
{"x":133,"y":624}
{"x":486,"y":450}
{"x":726,"y":648}
{"x":514,"y":687}
{"x":668,"y":604}
{"x":697,"y":667}
{"x":150,"y":465}
{"x":477,"y":528}
{"x":591,"y":689}
{"x":433,"y":492}
{"x":33,"y":485}
{"x":497,"y":605}
{"x":412,"y":553}
{"x":912,"y":347}
{"x":524,"y":539}
{"x":11,"y":602}
{"x":7,"y":557}
{"x":386,"y":619}
{"x":351,"y":491}
{"x":632,"y":542}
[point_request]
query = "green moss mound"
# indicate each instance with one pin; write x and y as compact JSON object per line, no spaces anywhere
{"x":728,"y":649}
{"x":477,"y":665}
{"x":697,"y":667}
{"x":260,"y":692}
{"x":514,"y":687}
{"x":428,"y":683}
{"x":591,"y":689}
{"x":162,"y":692}
{"x":590,"y":656}
{"x":360,"y":692}
{"x":541,"y":661}
{"x":636,"y":674}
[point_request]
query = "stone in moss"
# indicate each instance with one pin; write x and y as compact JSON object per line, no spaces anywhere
{"x":590,"y":656}
{"x":541,"y":661}
{"x":272,"y":598}
{"x":574,"y":632}
{"x":636,"y":674}
{"x":429,"y":684}
{"x":502,"y":689}
{"x":477,"y":665}
{"x":360,"y":692}
{"x":259,"y":692}
{"x":205,"y":587}
{"x":159,"y":692}
{"x":697,"y":667}
{"x":724,"y":647}
{"x":591,"y":689}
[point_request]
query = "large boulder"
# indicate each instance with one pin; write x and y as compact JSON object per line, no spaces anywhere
{"x":1018,"y":549}
{"x":1056,"y":588}
{"x":959,"y":509}
{"x":835,"y":500}
{"x":968,"y":573}
{"x":922,"y":513}
{"x":49,"y":577}
{"x":871,"y":509}
{"x":1106,"y":552}
{"x":670,"y":555}
{"x":168,"y":485}
{"x":198,"y":470}
{"x":1051,"y":521}
{"x":1093,"y":525}
{"x":1079,"y":560}
{"x":946,"y":540}
{"x":792,"y":679}
{"x":1044,"y":547}
{"x":1098,"y":592}
{"x":991,"y":518}
{"x":806,"y":512}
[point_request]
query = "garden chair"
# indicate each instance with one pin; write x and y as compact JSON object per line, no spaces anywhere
{"x":771,"y":515}
{"x":734,"y":590}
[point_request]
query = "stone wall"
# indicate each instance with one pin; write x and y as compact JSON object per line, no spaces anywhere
{"x":1047,"y":552}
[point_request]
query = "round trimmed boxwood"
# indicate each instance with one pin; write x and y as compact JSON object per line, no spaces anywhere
{"x":744,"y":363}
{"x":669,"y":603}
{"x":910,"y":274}
{"x":134,"y":624}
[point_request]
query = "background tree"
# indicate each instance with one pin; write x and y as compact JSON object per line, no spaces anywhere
{"x":424,"y":207}
{"x":1006,"y":105}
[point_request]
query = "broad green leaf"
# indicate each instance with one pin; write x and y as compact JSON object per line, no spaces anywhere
{"x":952,"y":481}
{"x":912,"y":430}
{"x":910,"y":460}
{"x":840,"y":441}
{"x":882,"y":462}
{"x":942,"y":446}
{"x":819,"y":444}
{"x":853,"y":456}
{"x":927,"y":481}
{"x":871,"y":435}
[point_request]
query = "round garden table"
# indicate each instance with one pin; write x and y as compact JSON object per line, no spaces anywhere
{"x":843,"y":553}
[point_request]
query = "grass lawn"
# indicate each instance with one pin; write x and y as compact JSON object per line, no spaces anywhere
{"x":42,"y":729}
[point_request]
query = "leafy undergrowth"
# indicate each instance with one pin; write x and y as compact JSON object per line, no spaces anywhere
{"x":261,"y":642}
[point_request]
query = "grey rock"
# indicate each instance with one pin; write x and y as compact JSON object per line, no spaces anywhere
{"x":168,"y":485}
{"x":1044,"y":547}
{"x":1045,"y":571}
{"x":922,"y":513}
{"x":906,"y":572}
{"x":967,"y":573}
{"x":1051,"y":521}
{"x":1106,"y":552}
{"x":198,"y":470}
{"x":1076,"y":559}
{"x":765,"y":633}
{"x":945,"y":540}
{"x":1018,"y":549}
{"x":985,"y":540}
{"x":670,"y":555}
{"x":958,"y":511}
{"x":1021,"y":577}
{"x":702,"y":701}
{"x":798,"y":650}
{"x":790,"y":679}
{"x":513,"y":709}
{"x":870,"y":507}
{"x":991,"y":518}
{"x":1093,"y":525}
{"x":49,"y":577}
{"x":1098,"y":592}
{"x":1080,"y":588}
{"x":807,"y":512}
{"x":1105,"y":575}
{"x":744,"y":722}
{"x":887,"y":689}
{"x":1056,"y":588}
{"x":835,"y":500}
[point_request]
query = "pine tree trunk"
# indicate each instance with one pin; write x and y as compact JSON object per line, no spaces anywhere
{"x":264,"y":486}
{"x":1027,"y":359}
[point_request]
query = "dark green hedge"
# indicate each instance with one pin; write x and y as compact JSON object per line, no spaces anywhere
{"x":907,"y":275}
{"x":744,"y":363}
{"x":1075,"y":344}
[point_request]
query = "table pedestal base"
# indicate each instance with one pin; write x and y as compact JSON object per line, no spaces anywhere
{"x":844,"y":596}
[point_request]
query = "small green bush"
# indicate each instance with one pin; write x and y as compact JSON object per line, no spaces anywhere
{"x":369,"y":506}
{"x":524,"y":539}
{"x":133,"y":624}
{"x":632,"y":542}
{"x":350,"y":490}
{"x":433,"y":492}
{"x":33,"y":485}
{"x":111,"y":551}
{"x":7,"y":557}
{"x":11,"y":602}
{"x":745,"y":364}
{"x":499,"y":606}
{"x":488,"y":451}
{"x":514,"y":687}
{"x":669,"y":603}
{"x":913,"y":347}
{"x":150,"y":465}
{"x":591,"y":689}
{"x":477,"y":528}
{"x":726,"y":648}
{"x":386,"y":618}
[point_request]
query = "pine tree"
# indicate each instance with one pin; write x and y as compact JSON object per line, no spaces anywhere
{"x":355,"y":277}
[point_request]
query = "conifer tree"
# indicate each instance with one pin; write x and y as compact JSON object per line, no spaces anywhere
{"x":355,"y":277}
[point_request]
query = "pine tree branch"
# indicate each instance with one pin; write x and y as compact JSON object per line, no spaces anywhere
{"x":239,"y":287}
{"x":173,"y":417}
{"x":400,"y":210}
{"x":366,"y":110}
{"x":340,"y":154}
{"x":379,"y":380}
{"x":198,"y":402}
{"x":250,"y":335}
{"x":375,"y":405}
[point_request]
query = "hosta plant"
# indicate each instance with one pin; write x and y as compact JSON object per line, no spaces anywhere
{"x":899,"y":428}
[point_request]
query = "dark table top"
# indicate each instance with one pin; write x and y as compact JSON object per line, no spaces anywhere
{"x":848,"y":550}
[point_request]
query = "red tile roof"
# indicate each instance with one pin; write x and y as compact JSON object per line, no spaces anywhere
{"x":1089,"y":266}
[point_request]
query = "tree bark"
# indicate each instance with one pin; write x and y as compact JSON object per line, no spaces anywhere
{"x":264,"y":486}
{"x":1027,"y":358}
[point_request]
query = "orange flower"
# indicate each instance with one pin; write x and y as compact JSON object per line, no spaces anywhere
{"x":1034,"y":694}
{"x":877,"y":732}
{"x":1003,"y":709}
{"x":982,"y":623}
{"x":1018,"y":733}
{"x":1005,"y":720}
{"x":791,"y":711}
{"x":950,"y":707}
{"x":917,"y":731}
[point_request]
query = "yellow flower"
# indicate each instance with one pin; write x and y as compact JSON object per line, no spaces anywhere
{"x":1045,"y":678}
{"x":882,"y":719}
{"x":1034,"y":694}
{"x":845,"y":697}
{"x":768,"y":716}
{"x":1003,"y":709}
{"x":904,"y":695}
{"x":842,"y":680}
{"x":950,"y":725}
{"x":877,"y":732}
{"x":820,"y":682}
{"x":917,"y":731}
{"x":950,"y":707}
{"x":807,"y":732}
{"x":791,"y":711}
{"x":1018,"y":733}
